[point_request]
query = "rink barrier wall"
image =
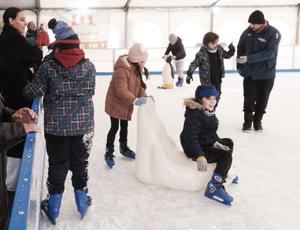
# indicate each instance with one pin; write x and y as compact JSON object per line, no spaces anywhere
{"x":197,"y":72}
{"x":26,"y":207}
{"x":288,"y":59}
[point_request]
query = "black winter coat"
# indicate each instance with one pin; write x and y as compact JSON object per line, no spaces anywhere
{"x":199,"y":130}
{"x":16,"y":58}
{"x":177,"y":49}
{"x":10,"y":134}
{"x":261,"y":51}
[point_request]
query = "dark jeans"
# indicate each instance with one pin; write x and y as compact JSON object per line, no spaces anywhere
{"x":67,"y":153}
{"x":256,"y":95}
{"x":221,"y":157}
{"x":113,"y":131}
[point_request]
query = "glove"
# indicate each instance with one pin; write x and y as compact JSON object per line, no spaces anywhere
{"x":241,"y":59}
{"x":201,"y":163}
{"x":140,"y":101}
{"x":218,"y":145}
{"x":189,"y":79}
{"x":231,"y":47}
{"x":152,"y":98}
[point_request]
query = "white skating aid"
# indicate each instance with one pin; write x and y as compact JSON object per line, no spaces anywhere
{"x":159,"y":161}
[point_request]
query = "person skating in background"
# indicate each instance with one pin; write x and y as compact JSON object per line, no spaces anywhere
{"x":125,"y":90}
{"x":32,"y":33}
{"x":201,"y":143}
{"x":210,"y":61}
{"x":177,"y":49}
{"x":17,"y":57}
{"x":256,"y":62}
{"x":66,"y":79}
{"x":14,"y":125}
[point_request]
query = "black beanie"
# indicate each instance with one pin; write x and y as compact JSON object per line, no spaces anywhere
{"x":257,"y":17}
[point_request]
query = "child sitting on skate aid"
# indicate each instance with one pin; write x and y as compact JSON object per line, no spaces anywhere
{"x":201,"y":143}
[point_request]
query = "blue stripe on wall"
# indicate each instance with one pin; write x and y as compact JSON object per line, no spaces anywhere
{"x":196,"y":72}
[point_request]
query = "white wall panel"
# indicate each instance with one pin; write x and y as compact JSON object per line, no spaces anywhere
{"x":96,"y":28}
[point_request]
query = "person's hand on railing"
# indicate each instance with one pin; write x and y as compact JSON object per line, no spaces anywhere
{"x":24,"y":115}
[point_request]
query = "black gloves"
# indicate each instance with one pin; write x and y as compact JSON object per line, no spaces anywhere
{"x":189,"y":79}
{"x":231,"y":47}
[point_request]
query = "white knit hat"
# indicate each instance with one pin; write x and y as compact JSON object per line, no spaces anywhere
{"x":137,"y":53}
{"x":172,"y":39}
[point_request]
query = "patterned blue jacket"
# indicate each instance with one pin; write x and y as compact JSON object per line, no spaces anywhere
{"x":68,"y":105}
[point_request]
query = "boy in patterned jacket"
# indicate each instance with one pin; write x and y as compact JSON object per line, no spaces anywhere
{"x":66,"y":79}
{"x":210,"y":61}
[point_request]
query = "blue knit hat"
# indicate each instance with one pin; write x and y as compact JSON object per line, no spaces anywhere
{"x":206,"y":91}
{"x":63,"y":33}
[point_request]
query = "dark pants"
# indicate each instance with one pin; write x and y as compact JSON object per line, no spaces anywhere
{"x":4,"y":209}
{"x":113,"y":131}
{"x":256,"y":95}
{"x":67,"y":153}
{"x":221,"y":157}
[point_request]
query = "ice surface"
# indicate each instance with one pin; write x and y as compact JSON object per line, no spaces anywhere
{"x":268,"y":165}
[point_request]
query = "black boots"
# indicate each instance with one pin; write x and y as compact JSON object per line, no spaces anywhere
{"x":248,"y":118}
{"x":257,"y":121}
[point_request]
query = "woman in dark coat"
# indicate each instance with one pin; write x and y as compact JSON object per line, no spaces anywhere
{"x":17,"y":56}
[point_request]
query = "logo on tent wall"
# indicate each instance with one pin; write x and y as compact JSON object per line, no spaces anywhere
{"x":90,"y":37}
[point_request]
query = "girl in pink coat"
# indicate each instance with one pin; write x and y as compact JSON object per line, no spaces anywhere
{"x":125,"y":90}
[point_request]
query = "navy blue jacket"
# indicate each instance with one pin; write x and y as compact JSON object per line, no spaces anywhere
{"x":199,"y":130}
{"x":261,"y":51}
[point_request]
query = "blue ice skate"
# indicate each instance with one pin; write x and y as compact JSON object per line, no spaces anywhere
{"x":215,"y":190}
{"x":83,"y":201}
{"x":51,"y":206}
{"x":109,"y":159}
{"x":179,"y":83}
{"x":235,"y":180}
{"x":126,"y":151}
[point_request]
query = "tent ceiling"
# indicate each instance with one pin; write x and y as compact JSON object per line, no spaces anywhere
{"x":139,"y":3}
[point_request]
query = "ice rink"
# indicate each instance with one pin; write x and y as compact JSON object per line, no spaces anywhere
{"x":267,"y":163}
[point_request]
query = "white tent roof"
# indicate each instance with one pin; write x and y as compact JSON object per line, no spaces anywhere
{"x":46,"y":4}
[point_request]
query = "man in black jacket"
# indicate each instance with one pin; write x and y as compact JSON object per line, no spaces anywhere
{"x":256,"y":62}
{"x":13,"y":127}
{"x":177,"y":49}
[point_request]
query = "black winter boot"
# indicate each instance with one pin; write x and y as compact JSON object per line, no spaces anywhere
{"x":257,"y":121}
{"x":248,"y":118}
